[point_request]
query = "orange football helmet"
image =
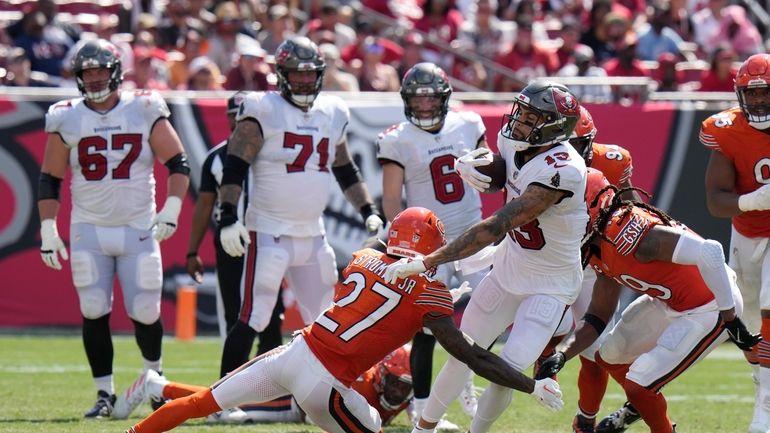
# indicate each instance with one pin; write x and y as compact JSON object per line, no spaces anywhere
{"x":595,"y":182}
{"x":415,"y":232}
{"x":393,"y":378}
{"x":753,"y":74}
{"x":583,"y":136}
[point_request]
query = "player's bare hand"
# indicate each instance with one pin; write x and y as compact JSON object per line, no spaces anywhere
{"x":195,"y":268}
{"x":233,"y":238}
{"x":465,"y":167}
{"x":165,"y":221}
{"x":52,"y":246}
{"x":402,"y":269}
{"x":548,"y":394}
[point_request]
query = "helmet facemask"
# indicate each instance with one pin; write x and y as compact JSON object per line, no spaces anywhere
{"x":299,"y":54}
{"x":413,"y":108}
{"x":97,"y":54}
{"x":302,"y":94}
{"x":396,"y":390}
{"x":98,"y":91}
{"x":430,"y":83}
{"x":755,"y":104}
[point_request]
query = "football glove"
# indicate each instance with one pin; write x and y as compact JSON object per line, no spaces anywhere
{"x":759,"y":199}
{"x":52,"y":245}
{"x":165,"y":221}
{"x":403,"y":268}
{"x":457,"y":293}
{"x":548,"y":394}
{"x":465,"y":167}
{"x":374,"y":224}
{"x":740,"y":335}
{"x":233,"y":237}
{"x":552,"y":365}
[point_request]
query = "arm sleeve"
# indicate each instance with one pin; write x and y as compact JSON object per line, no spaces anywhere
{"x":710,"y":259}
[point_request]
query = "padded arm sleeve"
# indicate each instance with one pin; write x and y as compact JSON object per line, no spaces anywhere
{"x":710,"y":259}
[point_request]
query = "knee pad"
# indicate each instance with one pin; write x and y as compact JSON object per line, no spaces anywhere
{"x":145,"y":307}
{"x":149,"y":270}
{"x":612,"y":349}
{"x":327,"y":265}
{"x":642,"y":365}
{"x":84,"y":270}
{"x":94,"y":303}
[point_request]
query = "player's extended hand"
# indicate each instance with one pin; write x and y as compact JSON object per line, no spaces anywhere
{"x":552,"y":365}
{"x":233,"y":237}
{"x":51,"y":245}
{"x":195,"y":267}
{"x":374,"y":224}
{"x":548,"y":393}
{"x":457,"y":293}
{"x":759,"y":199}
{"x":465,"y":167}
{"x":741,"y":336}
{"x":402,"y":269}
{"x":165,"y":221}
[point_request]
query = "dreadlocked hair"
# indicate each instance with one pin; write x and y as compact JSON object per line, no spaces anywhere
{"x":600,"y":224}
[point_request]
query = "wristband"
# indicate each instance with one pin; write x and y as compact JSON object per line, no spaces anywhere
{"x":227,"y":215}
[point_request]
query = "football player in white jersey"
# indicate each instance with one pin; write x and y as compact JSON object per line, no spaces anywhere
{"x":537,"y":270}
{"x":418,"y":155}
{"x":111,"y":140}
{"x":293,"y":140}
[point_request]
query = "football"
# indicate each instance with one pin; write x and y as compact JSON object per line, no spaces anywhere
{"x":497,"y":171}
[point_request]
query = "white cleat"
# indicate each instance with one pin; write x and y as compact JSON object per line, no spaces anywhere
{"x":469,"y":398}
{"x":233,"y":415}
{"x":131,"y":398}
{"x":444,"y":425}
{"x":154,"y":384}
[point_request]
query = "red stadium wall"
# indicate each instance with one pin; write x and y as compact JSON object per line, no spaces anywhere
{"x":34,"y":295}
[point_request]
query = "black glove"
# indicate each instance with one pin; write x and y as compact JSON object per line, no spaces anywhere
{"x":740,"y":335}
{"x":552,"y":365}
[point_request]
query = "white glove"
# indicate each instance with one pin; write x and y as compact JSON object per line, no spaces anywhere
{"x":548,"y":393}
{"x":402,"y":269}
{"x":165,"y":220}
{"x":465,"y":166}
{"x":460,"y":291}
{"x":231,"y":237}
{"x":374,"y":225}
{"x":759,"y":199}
{"x":52,"y":244}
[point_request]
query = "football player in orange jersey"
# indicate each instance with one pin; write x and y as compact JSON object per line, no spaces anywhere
{"x":369,"y":319}
{"x":615,"y":163}
{"x":738,"y":187}
{"x":387,"y":387}
{"x":691,"y":300}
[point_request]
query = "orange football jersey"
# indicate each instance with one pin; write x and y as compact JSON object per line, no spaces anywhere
{"x":365,"y":386}
{"x":679,"y":286}
{"x":728,"y":132}
{"x":612,"y":160}
{"x":369,"y":318}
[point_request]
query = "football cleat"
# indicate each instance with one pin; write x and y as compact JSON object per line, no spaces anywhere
{"x":445,"y":425}
{"x":234,"y":415}
{"x":581,"y":424}
{"x":154,"y":384}
{"x":468,"y":398}
{"x":618,"y":421}
{"x":103,"y":406}
{"x":131,"y":398}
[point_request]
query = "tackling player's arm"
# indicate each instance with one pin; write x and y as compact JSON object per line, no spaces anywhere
{"x":519,"y":211}
{"x":483,"y":362}
{"x":392,"y":187}
{"x":721,"y":198}
{"x":604,"y":301}
{"x":354,"y":188}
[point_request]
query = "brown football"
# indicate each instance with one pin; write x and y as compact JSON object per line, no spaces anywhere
{"x":497,"y":171}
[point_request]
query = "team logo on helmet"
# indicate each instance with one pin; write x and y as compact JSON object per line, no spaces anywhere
{"x":566,"y":103}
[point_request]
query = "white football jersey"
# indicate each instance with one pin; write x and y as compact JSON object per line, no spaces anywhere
{"x":428,"y":162}
{"x":550,"y":244}
{"x":292,"y":172}
{"x":111,"y":159}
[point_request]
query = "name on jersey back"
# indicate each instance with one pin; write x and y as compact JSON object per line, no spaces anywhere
{"x":377,"y":267}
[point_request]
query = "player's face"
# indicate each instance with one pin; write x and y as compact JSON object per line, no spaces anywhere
{"x":524,"y":121}
{"x":396,"y":391}
{"x":96,"y":79}
{"x":424,"y":107}
{"x":302,"y":82}
{"x":758,"y":100}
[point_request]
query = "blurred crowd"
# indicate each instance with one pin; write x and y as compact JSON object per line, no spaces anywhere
{"x":490,"y":45}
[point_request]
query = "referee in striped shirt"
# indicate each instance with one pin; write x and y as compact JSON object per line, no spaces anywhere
{"x":228,"y":268}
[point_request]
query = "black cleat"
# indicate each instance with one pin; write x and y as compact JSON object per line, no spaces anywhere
{"x":618,"y":421}
{"x":581,"y":424}
{"x":103,"y":406}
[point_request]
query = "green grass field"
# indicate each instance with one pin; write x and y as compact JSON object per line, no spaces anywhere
{"x":45,"y":386}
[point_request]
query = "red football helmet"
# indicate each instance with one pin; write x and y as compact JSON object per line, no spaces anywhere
{"x":393,"y":378}
{"x":583,"y":136}
{"x":752,"y":85}
{"x":415,"y":232}
{"x":595,"y":182}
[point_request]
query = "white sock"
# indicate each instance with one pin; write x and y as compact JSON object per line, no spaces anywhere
{"x":153,"y":365}
{"x":105,"y":383}
{"x":419,"y":405}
